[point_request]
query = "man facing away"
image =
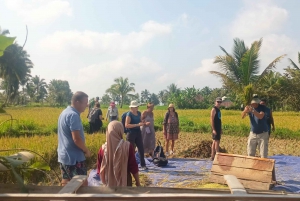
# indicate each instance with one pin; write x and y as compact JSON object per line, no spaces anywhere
{"x":259,"y":135}
{"x":216,"y":125}
{"x":268,"y":115}
{"x":71,"y":142}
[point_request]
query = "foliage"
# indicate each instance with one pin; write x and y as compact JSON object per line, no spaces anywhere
{"x":122,"y":89}
{"x":5,"y":42}
{"x":59,"y":93}
{"x":241,"y":68}
{"x":15,"y":69}
{"x":105,"y":99}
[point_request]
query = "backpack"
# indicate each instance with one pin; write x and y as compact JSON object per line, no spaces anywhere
{"x":123,"y":117}
{"x":93,"y":115}
{"x":159,"y":158}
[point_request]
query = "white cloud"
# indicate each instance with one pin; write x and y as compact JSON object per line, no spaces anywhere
{"x":258,"y":18}
{"x":206,"y":66}
{"x":37,"y":12}
{"x":113,"y":42}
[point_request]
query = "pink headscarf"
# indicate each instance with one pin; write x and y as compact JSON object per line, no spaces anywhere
{"x":113,"y":105}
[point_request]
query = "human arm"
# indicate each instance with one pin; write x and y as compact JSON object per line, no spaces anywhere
{"x":107,"y":114}
{"x":165,"y":122}
{"x":259,"y":115}
{"x":143,"y":117}
{"x":80,"y":143}
{"x":117,"y":113}
{"x":272,"y":121}
{"x":212,"y":123}
{"x":245,"y":112}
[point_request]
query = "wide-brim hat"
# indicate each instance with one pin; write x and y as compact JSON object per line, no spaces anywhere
{"x":171,"y":105}
{"x":134,"y":104}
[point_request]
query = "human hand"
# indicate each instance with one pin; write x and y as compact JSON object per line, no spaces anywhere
{"x":87,"y":153}
{"x":214,"y":132}
{"x":247,"y":109}
{"x":147,"y":123}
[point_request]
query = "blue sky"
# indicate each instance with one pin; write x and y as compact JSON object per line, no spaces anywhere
{"x":153,"y":43}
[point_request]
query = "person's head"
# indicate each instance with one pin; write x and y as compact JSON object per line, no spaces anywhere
{"x":255,"y":102}
{"x":263,"y":101}
{"x":171,"y":108}
{"x":112,"y":104}
{"x":150,"y":107}
{"x":218,"y":102}
{"x":97,"y":105}
{"x":134,"y":106}
{"x":114,"y":131}
{"x":80,"y":101}
{"x":97,"y":98}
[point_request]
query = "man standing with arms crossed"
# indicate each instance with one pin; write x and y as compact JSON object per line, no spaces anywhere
{"x":216,"y":125}
{"x":71,"y":142}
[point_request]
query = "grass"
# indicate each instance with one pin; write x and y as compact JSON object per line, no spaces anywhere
{"x":43,"y":121}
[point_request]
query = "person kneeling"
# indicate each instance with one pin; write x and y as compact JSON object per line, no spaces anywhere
{"x":116,"y":159}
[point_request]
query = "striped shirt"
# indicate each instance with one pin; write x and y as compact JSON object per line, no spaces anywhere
{"x":112,"y":112}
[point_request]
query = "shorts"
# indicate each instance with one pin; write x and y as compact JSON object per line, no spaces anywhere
{"x":69,"y":171}
{"x":216,"y":137}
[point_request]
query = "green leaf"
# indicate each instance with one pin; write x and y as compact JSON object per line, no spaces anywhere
{"x":40,"y":165}
{"x":19,"y":181}
{"x":5,"y":42}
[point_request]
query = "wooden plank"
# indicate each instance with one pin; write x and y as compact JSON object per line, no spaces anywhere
{"x":147,"y":197}
{"x":248,"y":184}
{"x":234,"y":184}
{"x":73,"y":185}
{"x":12,"y":188}
{"x":244,"y":162}
{"x":242,"y":173}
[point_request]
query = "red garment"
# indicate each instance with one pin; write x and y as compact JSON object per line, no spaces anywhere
{"x":132,"y":165}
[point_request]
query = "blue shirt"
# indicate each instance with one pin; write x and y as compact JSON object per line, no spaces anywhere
{"x":68,"y":152}
{"x":258,"y":126}
{"x":135,"y":119}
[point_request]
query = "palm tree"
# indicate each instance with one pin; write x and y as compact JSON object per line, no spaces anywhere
{"x":15,"y":69}
{"x":239,"y":72}
{"x":145,"y":95}
{"x":293,"y":63}
{"x":39,"y":88}
{"x":173,"y":89}
{"x":121,"y":88}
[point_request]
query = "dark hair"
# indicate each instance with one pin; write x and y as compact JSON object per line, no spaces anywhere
{"x":97,"y":105}
{"x":264,"y":100}
{"x":79,"y":96}
{"x":173,"y":109}
{"x":150,"y":104}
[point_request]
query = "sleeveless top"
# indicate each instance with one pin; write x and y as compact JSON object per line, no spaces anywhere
{"x":217,"y":120}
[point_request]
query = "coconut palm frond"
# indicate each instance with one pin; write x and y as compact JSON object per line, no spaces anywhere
{"x":227,"y":81}
{"x":239,"y":49}
{"x":270,"y":67}
{"x":293,"y":64}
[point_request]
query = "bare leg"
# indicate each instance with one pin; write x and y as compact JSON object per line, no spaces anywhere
{"x":167,"y":145}
{"x":172,"y":145}
{"x":217,"y":145}
{"x":213,"y":149}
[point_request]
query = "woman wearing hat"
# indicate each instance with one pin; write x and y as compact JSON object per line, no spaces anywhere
{"x":112,"y":112}
{"x":134,"y":136}
{"x":171,"y":128}
{"x":148,"y":132}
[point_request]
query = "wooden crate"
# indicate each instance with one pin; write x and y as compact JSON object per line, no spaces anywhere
{"x":252,"y":172}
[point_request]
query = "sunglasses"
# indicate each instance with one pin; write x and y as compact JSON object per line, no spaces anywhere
{"x":219,"y":101}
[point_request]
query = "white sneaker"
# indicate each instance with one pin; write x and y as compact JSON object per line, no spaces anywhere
{"x":167,"y":153}
{"x":172,"y":152}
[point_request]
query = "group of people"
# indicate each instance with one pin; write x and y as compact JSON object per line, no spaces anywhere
{"x":261,"y":123}
{"x":116,"y":158}
{"x":95,"y":115}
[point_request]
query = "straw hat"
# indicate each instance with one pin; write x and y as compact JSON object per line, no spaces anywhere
{"x":171,"y":105}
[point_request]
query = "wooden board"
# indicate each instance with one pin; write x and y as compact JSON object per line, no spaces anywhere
{"x":244,"y":162}
{"x":234,"y":184}
{"x":248,"y":184}
{"x":243,"y":173}
{"x":73,"y":185}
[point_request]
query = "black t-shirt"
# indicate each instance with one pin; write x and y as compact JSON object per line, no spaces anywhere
{"x":217,"y":120}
